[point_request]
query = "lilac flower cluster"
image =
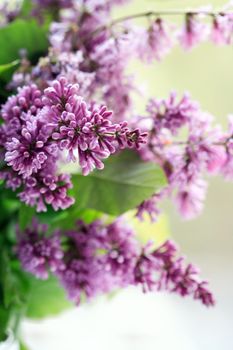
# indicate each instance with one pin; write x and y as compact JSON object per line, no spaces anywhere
{"x":29,"y":153}
{"x":96,"y":62}
{"x":90,"y":51}
{"x":99,"y":258}
{"x":161,"y":36}
{"x":205,"y":149}
{"x":161,"y":269}
{"x":39,"y":253}
{"x":39,"y":126}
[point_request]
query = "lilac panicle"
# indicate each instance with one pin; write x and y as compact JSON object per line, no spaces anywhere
{"x":89,"y":132}
{"x":98,"y":258}
{"x":39,"y":126}
{"x":205,"y":149}
{"x":172,"y":114}
{"x":161,"y":269}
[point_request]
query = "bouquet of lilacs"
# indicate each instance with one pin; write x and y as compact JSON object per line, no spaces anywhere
{"x":76,"y":156}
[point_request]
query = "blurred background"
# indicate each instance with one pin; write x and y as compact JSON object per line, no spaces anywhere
{"x":132,"y":320}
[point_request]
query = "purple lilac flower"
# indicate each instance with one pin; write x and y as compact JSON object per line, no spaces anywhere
{"x":27,"y":100}
{"x":193,"y":32}
{"x":38,"y":253}
{"x":47,"y":188}
{"x":202,"y":293}
{"x":83,"y":274}
{"x":38,"y":126}
{"x":150,"y":207}
{"x":222,"y":27}
{"x":97,"y":62}
{"x":110,"y":256}
{"x":98,"y":258}
{"x":161,"y":269}
{"x":122,"y":250}
{"x":28,"y":152}
{"x":184,"y":162}
{"x":157,"y":41}
{"x":70,"y":64}
{"x":106,"y":52}
{"x":11,"y":178}
{"x":84,"y":131}
{"x":58,"y":95}
{"x":89,"y":132}
{"x":190,"y":198}
{"x":55,"y":65}
{"x":74,"y":30}
{"x":220,"y":30}
{"x":19,"y":108}
{"x":110,"y":58}
{"x":172,"y":114}
{"x":31,"y":154}
{"x":188,"y":168}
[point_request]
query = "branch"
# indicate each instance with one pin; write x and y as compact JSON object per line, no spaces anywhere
{"x":161,"y":13}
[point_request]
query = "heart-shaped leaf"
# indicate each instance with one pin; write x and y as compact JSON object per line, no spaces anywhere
{"x":124,"y":183}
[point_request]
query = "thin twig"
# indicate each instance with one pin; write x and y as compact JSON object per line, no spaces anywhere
{"x":158,"y":14}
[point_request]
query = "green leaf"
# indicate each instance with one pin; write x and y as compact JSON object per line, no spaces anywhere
{"x":25,"y":216}
{"x":14,"y":285}
{"x":23,"y":346}
{"x":18,"y":35}
{"x":4,"y":319}
{"x":7,"y":66}
{"x":46,"y":298}
{"x":72,"y":215}
{"x":26,"y":8}
{"x":21,"y":34}
{"x":6,"y":279}
{"x":13,"y":291}
{"x":51,"y":216}
{"x":123,"y":184}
